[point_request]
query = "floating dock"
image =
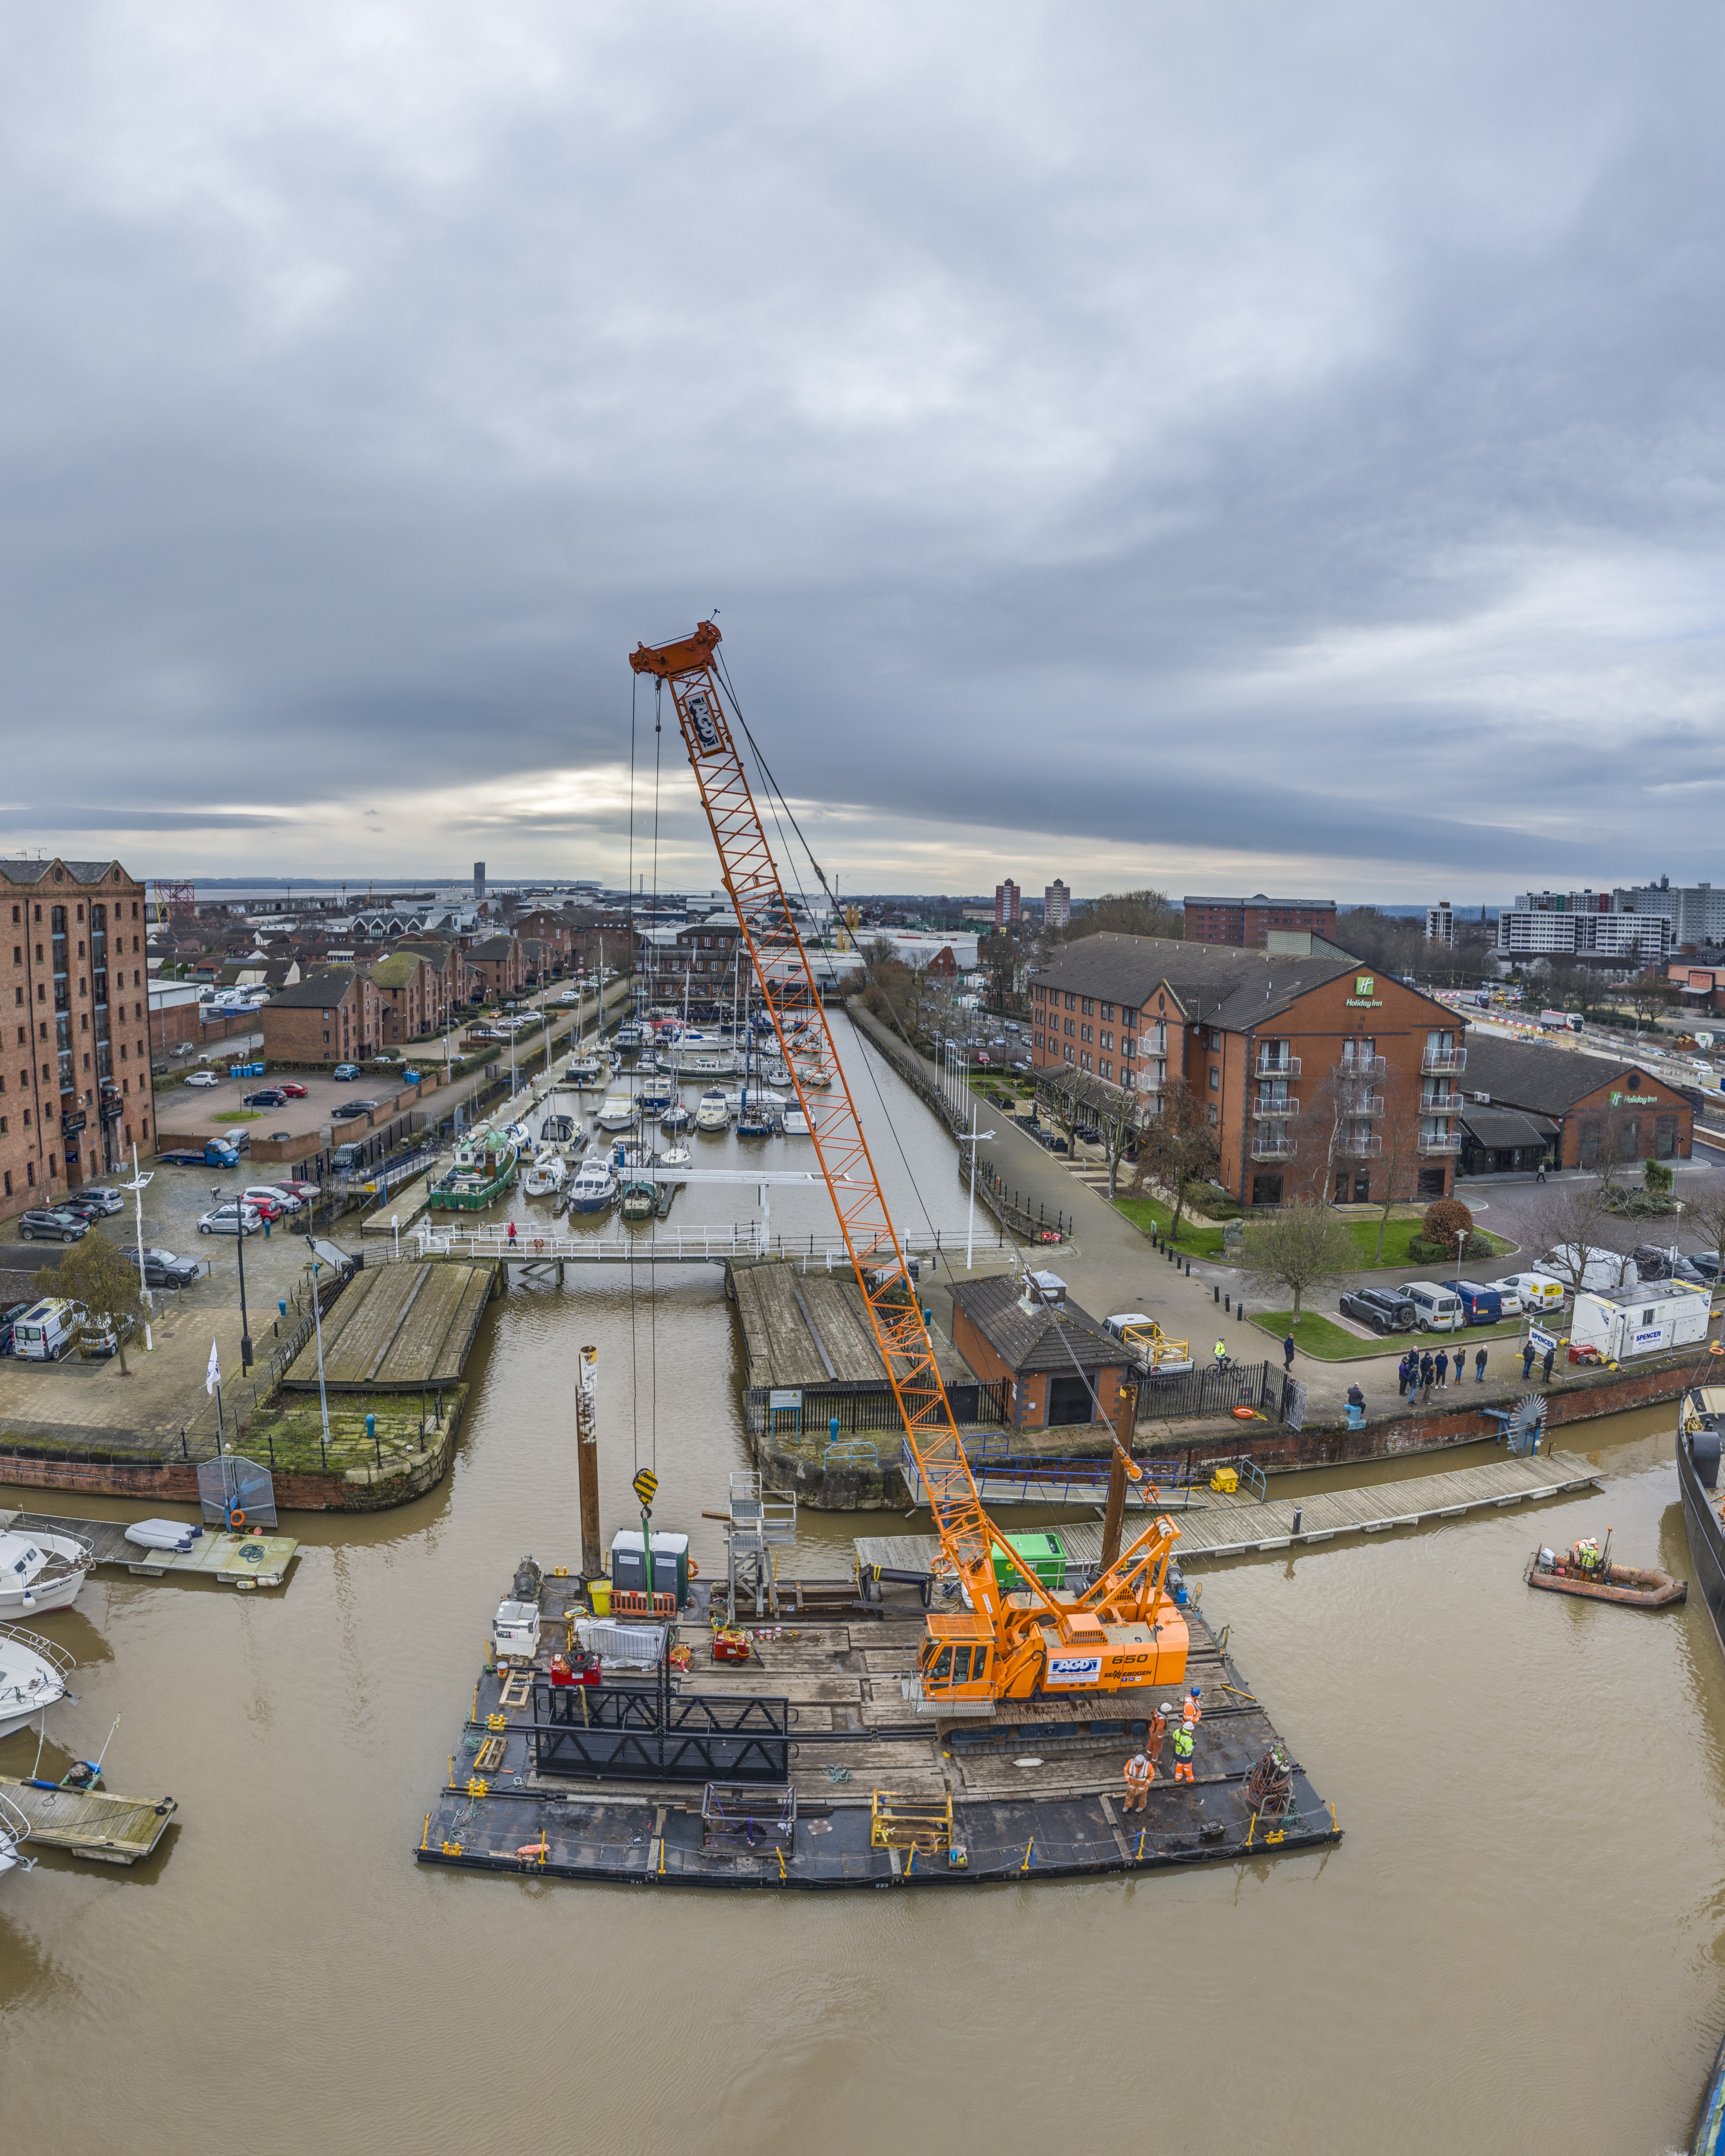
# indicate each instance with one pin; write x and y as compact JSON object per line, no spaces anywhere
{"x":91,"y":1822}
{"x":242,"y":1561}
{"x":1215,"y":1525}
{"x":804,"y":1768}
{"x":403,"y":1327}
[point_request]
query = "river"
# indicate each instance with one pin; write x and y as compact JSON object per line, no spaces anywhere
{"x":1519,"y":1942}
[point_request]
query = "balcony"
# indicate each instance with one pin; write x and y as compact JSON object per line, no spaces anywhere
{"x":1363,"y":1066}
{"x":1363,"y":1146}
{"x":1366,"y":1104}
{"x":1439,"y":1146}
{"x":1266,"y":1065}
{"x":1441,"y":1104}
{"x":1269,"y":1145}
{"x":1436,"y":1061}
{"x":1280,"y":1105}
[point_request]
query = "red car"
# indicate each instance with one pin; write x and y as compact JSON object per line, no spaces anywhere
{"x":266,"y":1202}
{"x":292,"y":1088}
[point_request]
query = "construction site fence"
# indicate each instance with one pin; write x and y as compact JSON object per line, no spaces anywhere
{"x":818,"y":1407}
{"x":1211,"y":1391}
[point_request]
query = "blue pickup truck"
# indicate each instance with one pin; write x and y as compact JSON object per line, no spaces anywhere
{"x":217,"y":1153}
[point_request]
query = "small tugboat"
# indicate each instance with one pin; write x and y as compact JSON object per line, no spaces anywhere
{"x":1585,"y":1568}
{"x":484,"y":1169}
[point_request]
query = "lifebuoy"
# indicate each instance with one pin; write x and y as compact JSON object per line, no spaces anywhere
{"x":539,"y":1242}
{"x":1243,"y":1415}
{"x":694,"y":1569}
{"x":236,"y":1519}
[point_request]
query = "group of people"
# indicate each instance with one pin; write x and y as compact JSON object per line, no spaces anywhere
{"x":1140,"y":1770}
{"x":1419,"y":1371}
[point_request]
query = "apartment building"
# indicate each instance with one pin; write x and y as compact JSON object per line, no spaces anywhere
{"x":76,"y":1092}
{"x":1056,"y":904}
{"x":410,"y":997}
{"x":1009,"y":904}
{"x":1695,"y":910}
{"x":334,"y":1016}
{"x":1589,"y":935}
{"x":495,"y":969}
{"x":1248,"y":923}
{"x":1291,"y":1056}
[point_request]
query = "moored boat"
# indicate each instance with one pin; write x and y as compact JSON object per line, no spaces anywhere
{"x":676,"y":1117}
{"x":1587,"y":1570}
{"x":40,"y":1572}
{"x":587,"y":1069}
{"x":713,"y":1111}
{"x":593,"y":1188}
{"x":1699,"y":1422}
{"x":640,"y":1197}
{"x":485,"y":1168}
{"x":547,"y":1175}
{"x":618,"y":1112}
{"x":33,"y":1676}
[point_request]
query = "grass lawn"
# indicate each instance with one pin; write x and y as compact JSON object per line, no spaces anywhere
{"x":1321,"y":1337}
{"x":1397,"y":1235}
{"x":1196,"y":1241}
{"x":239,"y":1116}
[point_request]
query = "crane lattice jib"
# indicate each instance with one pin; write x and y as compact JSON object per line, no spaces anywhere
{"x":788,"y":989}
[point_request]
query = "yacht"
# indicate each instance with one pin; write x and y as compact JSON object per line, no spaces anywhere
{"x":33,"y":1676}
{"x":618,"y":1113}
{"x":564,"y":1132}
{"x":657,"y":1094}
{"x":676,"y":1117}
{"x":713,"y":1112}
{"x":796,"y":1123}
{"x":593,"y":1188}
{"x":589,"y":1068}
{"x":627,"y":1038}
{"x":676,"y":1156}
{"x":41,"y":1572}
{"x":547,"y":1175}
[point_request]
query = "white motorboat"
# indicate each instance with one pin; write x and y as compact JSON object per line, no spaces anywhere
{"x":676,"y":1117}
{"x":588,"y":1069}
{"x":41,"y":1572}
{"x":762,"y":1099}
{"x":547,"y":1175}
{"x":593,"y":1188}
{"x":676,"y":1156}
{"x":626,"y":1038}
{"x":713,"y":1111}
{"x":14,"y":1833}
{"x":564,"y":1132}
{"x":33,"y":1676}
{"x":776,"y":1072}
{"x":796,"y":1123}
{"x":162,"y":1535}
{"x":618,"y":1112}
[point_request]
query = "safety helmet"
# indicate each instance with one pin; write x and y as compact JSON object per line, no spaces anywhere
{"x":1167,"y":1707}
{"x":1196,"y":1691}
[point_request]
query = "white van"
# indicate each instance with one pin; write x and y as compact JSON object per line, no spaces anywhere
{"x":1440,"y":1308}
{"x":1599,"y":1268}
{"x":1534,"y":1293}
{"x":48,"y":1330}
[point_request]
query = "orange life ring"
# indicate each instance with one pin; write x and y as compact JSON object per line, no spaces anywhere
{"x":1243,"y":1415}
{"x":236,"y":1519}
{"x":694,"y":1569}
{"x":539,"y":1242}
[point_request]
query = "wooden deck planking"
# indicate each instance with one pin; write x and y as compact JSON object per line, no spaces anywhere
{"x":215,"y":1556}
{"x":812,"y":1328}
{"x":458,"y":1341}
{"x":92,"y":1823}
{"x":1233,"y":1527}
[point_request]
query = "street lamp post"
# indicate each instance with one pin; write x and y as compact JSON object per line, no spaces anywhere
{"x":975,"y":1138}
{"x":323,"y":1397}
{"x":245,"y":1329}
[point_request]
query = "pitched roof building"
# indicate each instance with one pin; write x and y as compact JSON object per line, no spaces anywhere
{"x":332,"y":1016}
{"x":1587,"y":1110}
{"x":1052,"y":1352}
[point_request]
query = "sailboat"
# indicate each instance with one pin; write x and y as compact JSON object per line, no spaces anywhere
{"x":547,"y":1175}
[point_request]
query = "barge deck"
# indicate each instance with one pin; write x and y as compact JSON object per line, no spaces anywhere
{"x":804,"y":1767}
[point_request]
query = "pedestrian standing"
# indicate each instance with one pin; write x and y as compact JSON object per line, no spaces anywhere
{"x":1526,"y":1360}
{"x":1443,"y":1369}
{"x":1183,"y":1753}
{"x":1425,"y":1375}
{"x":1539,"y":1172}
{"x":1156,"y":1731}
{"x":1549,"y":1353}
{"x":1403,"y":1373}
{"x":1478,"y":1366}
{"x":1139,"y":1774}
{"x":1190,"y":1712}
{"x":1287,"y":1353}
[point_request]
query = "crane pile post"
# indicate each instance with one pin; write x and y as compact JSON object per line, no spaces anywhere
{"x":1011,"y":1642}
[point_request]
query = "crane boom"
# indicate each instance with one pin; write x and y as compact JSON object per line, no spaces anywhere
{"x":1002,"y":1645}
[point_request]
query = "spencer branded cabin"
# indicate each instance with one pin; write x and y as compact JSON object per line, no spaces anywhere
{"x":1620,"y":1323}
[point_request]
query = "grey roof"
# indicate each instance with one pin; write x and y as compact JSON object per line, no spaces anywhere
{"x":1042,"y":1339}
{"x":318,"y":992}
{"x":1494,"y":1127}
{"x":1218,"y":983}
{"x":79,"y":872}
{"x":436,"y":955}
{"x":1527,"y":1074}
{"x":492,"y":949}
{"x":1320,"y":904}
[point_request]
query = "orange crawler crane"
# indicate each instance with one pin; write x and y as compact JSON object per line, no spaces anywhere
{"x":1012,"y":1643}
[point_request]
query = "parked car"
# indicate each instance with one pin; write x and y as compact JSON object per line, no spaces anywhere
{"x":1480,"y":1304}
{"x":348,"y":1112}
{"x":1652,"y":1264}
{"x":46,"y":1332}
{"x":110,"y":1200}
{"x":344,"y":1072}
{"x":267,"y":1204}
{"x":1529,"y":1293}
{"x":8,"y":1317}
{"x":297,"y":1187}
{"x":80,"y":1203}
{"x":183,"y":1048}
{"x":202,"y":1078}
{"x":162,"y":1269}
{"x":1599,"y":1268}
{"x":291,"y":1089}
{"x":271,"y":1096}
{"x":1436,"y":1309}
{"x":230,"y":1220}
{"x":1707,"y":1264}
{"x":272,"y":1193}
{"x":1381,"y":1311}
{"x":100,"y":1336}
{"x":51,"y":1223}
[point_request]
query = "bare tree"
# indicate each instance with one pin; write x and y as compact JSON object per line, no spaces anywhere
{"x":1127,"y":913}
{"x":1301,"y":1247}
{"x":1177,"y":1147}
{"x":1706,"y":1216}
{"x":1573,"y":1231}
{"x":1650,"y":995}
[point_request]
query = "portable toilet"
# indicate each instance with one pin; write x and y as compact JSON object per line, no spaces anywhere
{"x":1042,"y":1554}
{"x":670,"y":1564}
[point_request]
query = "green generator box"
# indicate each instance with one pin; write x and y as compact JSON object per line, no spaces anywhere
{"x":1041,"y":1553}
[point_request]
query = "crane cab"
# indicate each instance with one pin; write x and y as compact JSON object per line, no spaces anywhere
{"x":956,"y":1664}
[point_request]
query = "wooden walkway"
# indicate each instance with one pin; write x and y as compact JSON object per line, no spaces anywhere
{"x":91,"y":1822}
{"x":812,"y":1328}
{"x":398,"y":1329}
{"x":244,"y":1561}
{"x":1242,"y":1528}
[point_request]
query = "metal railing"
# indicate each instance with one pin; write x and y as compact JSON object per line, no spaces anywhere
{"x":1364,"y":1104}
{"x":740,"y":1239}
{"x":817,"y":1408}
{"x":1441,"y":1104}
{"x":1440,"y":1145}
{"x":1364,"y":1066}
{"x":1270,"y":1066}
{"x":1439,"y":1060}
{"x":1275,"y":1107}
{"x":1268,"y":1148}
{"x":1360,"y":1148}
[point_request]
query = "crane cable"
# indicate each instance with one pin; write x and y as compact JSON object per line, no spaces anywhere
{"x":634,"y":1373}
{"x":775,"y":800}
{"x":652,"y":1237}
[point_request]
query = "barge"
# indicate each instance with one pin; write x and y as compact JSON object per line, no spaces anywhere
{"x":804,"y":1765}
{"x":1699,"y":1421}
{"x":484,"y":1169}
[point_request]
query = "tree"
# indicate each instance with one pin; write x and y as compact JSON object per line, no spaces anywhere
{"x":1649,"y":996}
{"x":1367,"y":1115}
{"x":94,"y":1273}
{"x":1706,"y":1217}
{"x":1129,"y":913}
{"x":1573,"y":1229}
{"x":1448,"y":1221}
{"x":1177,"y":1147}
{"x":1074,"y":1101}
{"x":1303,"y":1246}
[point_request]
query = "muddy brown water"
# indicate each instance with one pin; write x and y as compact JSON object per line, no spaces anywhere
{"x":1519,"y":1942}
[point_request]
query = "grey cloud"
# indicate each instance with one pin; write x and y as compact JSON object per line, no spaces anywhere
{"x":1035,"y":390}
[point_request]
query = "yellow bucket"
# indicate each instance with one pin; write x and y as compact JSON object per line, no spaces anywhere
{"x":599,"y":1591}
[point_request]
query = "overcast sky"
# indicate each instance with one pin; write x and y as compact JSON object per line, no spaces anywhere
{"x":1221,"y":445}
